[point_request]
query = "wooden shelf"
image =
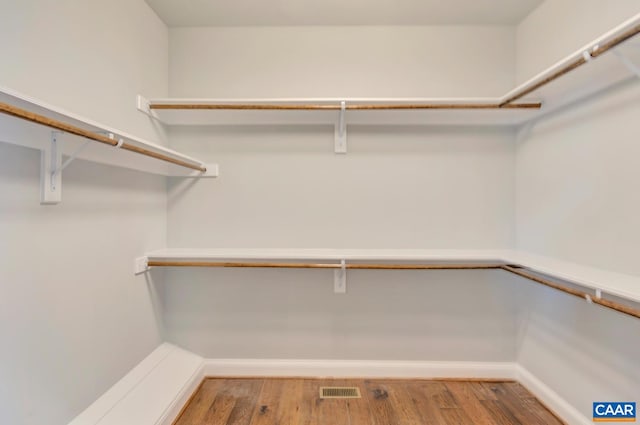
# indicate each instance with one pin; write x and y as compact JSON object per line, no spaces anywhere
{"x":587,"y":71}
{"x":609,"y":282}
{"x":29,"y":134}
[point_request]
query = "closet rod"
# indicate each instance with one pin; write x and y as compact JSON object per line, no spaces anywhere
{"x":575,"y":292}
{"x":68,"y":128}
{"x":338,"y":107}
{"x":155,"y":263}
{"x":593,"y":53}
{"x":518,"y":270}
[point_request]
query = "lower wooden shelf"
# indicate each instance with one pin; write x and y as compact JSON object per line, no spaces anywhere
{"x":601,"y":281}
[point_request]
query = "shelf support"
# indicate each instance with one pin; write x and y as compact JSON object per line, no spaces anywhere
{"x":143,"y":105}
{"x":73,"y":156}
{"x":340,"y":145}
{"x":628,"y":63}
{"x":340,"y":279}
{"x":140,"y":265}
{"x":51,"y":167}
{"x":50,"y":175}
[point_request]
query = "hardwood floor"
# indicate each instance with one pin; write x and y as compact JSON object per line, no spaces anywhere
{"x":280,"y":401}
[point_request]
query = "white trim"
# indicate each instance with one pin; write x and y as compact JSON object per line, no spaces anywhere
{"x":150,"y":393}
{"x":180,"y":400}
{"x":550,"y":398}
{"x":453,"y":255}
{"x":101,"y":407}
{"x":359,"y":368}
{"x":155,"y":391}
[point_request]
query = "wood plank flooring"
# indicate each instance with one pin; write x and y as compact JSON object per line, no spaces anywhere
{"x":280,"y":401}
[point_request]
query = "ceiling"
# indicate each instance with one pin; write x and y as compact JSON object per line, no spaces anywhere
{"x":177,"y":13}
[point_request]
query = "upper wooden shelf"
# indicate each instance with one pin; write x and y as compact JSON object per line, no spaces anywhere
{"x":588,"y":70}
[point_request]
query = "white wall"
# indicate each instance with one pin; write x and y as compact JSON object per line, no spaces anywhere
{"x":583,"y":352}
{"x":576,"y":180}
{"x":417,"y":187}
{"x":73,"y":318}
{"x":254,"y":62}
{"x":283,"y":186}
{"x":398,"y":187}
{"x":577,"y":200}
{"x":559,"y":27}
{"x":89,"y":57}
{"x":394,"y":315}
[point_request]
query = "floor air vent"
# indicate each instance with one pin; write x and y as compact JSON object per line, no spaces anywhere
{"x":339,"y":392}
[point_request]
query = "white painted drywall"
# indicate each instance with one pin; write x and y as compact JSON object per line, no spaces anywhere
{"x":254,"y":62}
{"x":73,"y":318}
{"x":398,"y":187}
{"x":416,"y":187}
{"x":557,"y":28}
{"x":577,"y":176}
{"x":393,"y":315}
{"x":583,"y":352}
{"x":91,"y":58}
{"x":577,"y":200}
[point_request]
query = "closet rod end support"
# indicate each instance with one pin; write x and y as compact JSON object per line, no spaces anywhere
{"x":143,"y":105}
{"x":141,"y":265}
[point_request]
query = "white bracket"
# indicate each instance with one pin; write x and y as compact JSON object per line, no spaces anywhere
{"x":73,"y":156}
{"x":51,"y":167}
{"x":627,"y":62}
{"x":598,"y":296}
{"x":140,"y":265}
{"x":340,"y":144}
{"x":143,"y":105}
{"x":50,"y":175}
{"x":340,"y":279}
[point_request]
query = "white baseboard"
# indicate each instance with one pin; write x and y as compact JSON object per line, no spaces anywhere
{"x":151,"y":393}
{"x":182,"y":397}
{"x":550,"y":398}
{"x":359,"y":368}
{"x":155,"y":391}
